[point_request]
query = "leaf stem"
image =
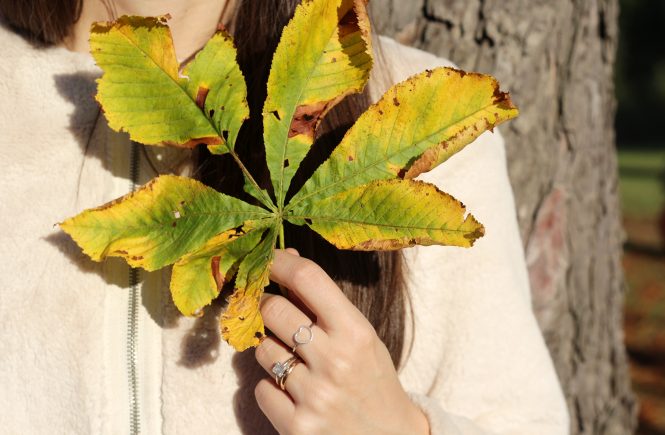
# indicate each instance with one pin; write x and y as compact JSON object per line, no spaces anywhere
{"x":282,"y":245}
{"x":265,"y":199}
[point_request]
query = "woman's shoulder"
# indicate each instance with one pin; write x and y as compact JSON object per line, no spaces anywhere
{"x":23,"y":61}
{"x":410,"y":57}
{"x":398,"y":62}
{"x":477,"y":176}
{"x":42,"y":86}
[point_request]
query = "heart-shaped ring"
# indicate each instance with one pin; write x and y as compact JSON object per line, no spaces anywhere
{"x":303,"y":335}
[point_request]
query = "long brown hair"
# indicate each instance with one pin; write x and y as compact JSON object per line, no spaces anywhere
{"x":41,"y":21}
{"x":373,"y":281}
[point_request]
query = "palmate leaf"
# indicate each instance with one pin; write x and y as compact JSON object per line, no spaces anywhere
{"x":362,"y":197}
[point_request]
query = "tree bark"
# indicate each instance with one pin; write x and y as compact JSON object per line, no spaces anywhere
{"x":556,"y":58}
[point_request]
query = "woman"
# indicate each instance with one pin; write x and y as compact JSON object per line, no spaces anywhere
{"x":96,"y":348}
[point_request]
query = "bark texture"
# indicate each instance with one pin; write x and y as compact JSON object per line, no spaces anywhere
{"x":556,"y":58}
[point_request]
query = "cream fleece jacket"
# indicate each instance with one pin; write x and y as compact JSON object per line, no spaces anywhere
{"x":478,"y":364}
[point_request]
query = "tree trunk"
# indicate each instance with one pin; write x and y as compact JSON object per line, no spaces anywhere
{"x":557,"y":59}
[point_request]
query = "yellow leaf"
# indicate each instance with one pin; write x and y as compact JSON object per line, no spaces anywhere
{"x":324,"y":55}
{"x":198,"y":277}
{"x":217,"y":85}
{"x":241,"y":323}
{"x":162,"y":221}
{"x":417,"y":125}
{"x":390,"y":215}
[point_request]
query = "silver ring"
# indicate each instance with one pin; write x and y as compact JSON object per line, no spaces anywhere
{"x":303,"y":335}
{"x":282,"y":370}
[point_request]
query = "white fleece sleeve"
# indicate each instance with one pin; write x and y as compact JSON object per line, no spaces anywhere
{"x":473,"y":322}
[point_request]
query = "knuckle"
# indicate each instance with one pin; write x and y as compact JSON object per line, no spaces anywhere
{"x":305,"y":273}
{"x":362,"y":337}
{"x":263,"y":351}
{"x":340,"y":369}
{"x":327,"y":398}
{"x":274,"y":308}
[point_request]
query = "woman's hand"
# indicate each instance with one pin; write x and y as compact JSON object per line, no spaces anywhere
{"x":346,"y":382}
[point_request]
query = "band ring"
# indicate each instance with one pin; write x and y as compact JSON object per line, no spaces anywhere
{"x":282,"y":370}
{"x":304,"y":335}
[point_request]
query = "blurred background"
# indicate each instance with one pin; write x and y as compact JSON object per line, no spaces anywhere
{"x":640,"y":125}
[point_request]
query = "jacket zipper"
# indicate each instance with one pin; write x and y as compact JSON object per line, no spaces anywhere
{"x":133,"y":317}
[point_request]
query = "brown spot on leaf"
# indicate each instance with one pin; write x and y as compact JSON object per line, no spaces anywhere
{"x":396,"y":102}
{"x":348,"y":24}
{"x":174,"y":224}
{"x":502,"y":99}
{"x":426,"y":161}
{"x":216,"y":140}
{"x":350,"y":158}
{"x":389,"y":245}
{"x":478,"y":233}
{"x":216,"y":275}
{"x":307,"y":118}
{"x":122,"y":252}
{"x":429,"y":73}
{"x":201,"y":96}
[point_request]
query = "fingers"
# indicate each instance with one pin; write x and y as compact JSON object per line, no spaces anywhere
{"x":285,"y":320}
{"x":275,"y":404}
{"x":272,"y":351}
{"x":309,"y":283}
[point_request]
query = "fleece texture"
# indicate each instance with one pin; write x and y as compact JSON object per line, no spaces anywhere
{"x":477,"y":362}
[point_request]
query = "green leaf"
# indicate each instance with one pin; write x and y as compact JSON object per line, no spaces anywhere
{"x":143,"y":93}
{"x":309,"y":76}
{"x":141,"y":90}
{"x":241,"y":323}
{"x":216,"y":83}
{"x":417,"y":125}
{"x":198,"y":277}
{"x":390,"y":215}
{"x":159,"y":223}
